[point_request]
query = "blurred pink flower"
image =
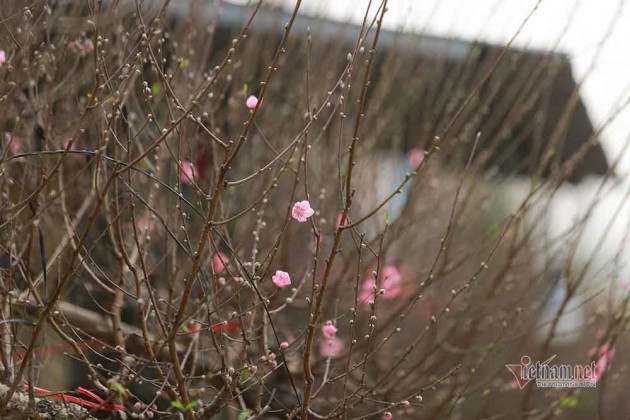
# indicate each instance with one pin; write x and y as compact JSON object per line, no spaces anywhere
{"x":391,"y":274}
{"x":331,"y":347}
{"x":284,"y":345}
{"x":302,"y":211}
{"x":427,"y":308}
{"x":218,"y":262}
{"x":387,"y":416}
{"x":14,"y":146}
{"x":67,"y":142}
{"x":368,"y":289}
{"x":390,"y":281}
{"x":415,"y":157}
{"x":88,"y":45}
{"x":281,"y":279}
{"x":604,"y":354}
{"x":329,"y":329}
{"x":251,"y":102}
{"x":187,"y":173}
{"x":3,"y":57}
{"x":141,"y":224}
{"x":338,"y":221}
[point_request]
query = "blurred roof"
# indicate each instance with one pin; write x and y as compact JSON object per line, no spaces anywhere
{"x":557,"y":95}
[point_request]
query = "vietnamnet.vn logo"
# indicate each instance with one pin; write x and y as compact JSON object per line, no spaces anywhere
{"x":547,"y":375}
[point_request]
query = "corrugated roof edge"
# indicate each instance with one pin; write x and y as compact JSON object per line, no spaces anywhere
{"x":269,"y":19}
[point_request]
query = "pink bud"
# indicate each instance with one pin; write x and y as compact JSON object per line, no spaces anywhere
{"x":329,"y":329}
{"x":251,"y":102}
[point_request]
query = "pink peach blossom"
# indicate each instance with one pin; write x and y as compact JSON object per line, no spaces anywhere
{"x":187,"y":174}
{"x":331,"y":347}
{"x":284,"y":345}
{"x":302,"y":211}
{"x":251,"y":102}
{"x":387,"y":416}
{"x":281,"y":279}
{"x":3,"y":57}
{"x":73,"y":45}
{"x":218,"y":262}
{"x":329,"y":329}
